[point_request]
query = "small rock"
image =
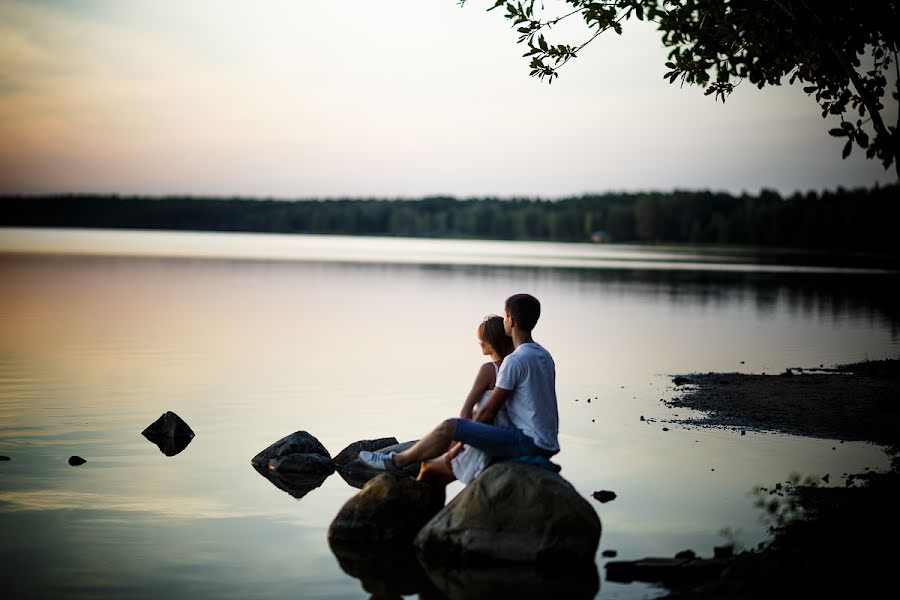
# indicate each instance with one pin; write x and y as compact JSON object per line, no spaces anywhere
{"x":743,"y":432}
{"x":168,"y":425}
{"x":742,"y":362}
{"x":4,"y":458}
{"x":604,"y":496}
{"x":665,"y":428}
{"x":826,"y":477}
{"x":76,"y":460}
{"x":609,"y":554}
{"x":712,"y":469}
{"x":642,"y":418}
{"x":299,"y":442}
{"x":593,"y":420}
{"x":351,"y":452}
{"x":687,"y":554}
{"x":589,"y":400}
{"x":356,"y":473}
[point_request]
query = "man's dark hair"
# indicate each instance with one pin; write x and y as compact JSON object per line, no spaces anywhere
{"x":524,"y":309}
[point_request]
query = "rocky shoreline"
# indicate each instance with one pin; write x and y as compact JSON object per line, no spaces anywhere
{"x":828,"y":542}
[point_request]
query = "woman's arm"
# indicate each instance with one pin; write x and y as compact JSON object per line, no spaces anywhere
{"x":483,"y":379}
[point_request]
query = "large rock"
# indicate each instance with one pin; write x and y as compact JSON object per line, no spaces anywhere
{"x":513,"y":512}
{"x":298,"y":453}
{"x":356,"y":473}
{"x":351,"y":452}
{"x":389,"y":510}
{"x":169,"y":425}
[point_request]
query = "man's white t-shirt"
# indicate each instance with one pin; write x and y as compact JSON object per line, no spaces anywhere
{"x":530,"y":373}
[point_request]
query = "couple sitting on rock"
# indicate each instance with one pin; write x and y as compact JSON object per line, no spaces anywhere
{"x":510,"y":413}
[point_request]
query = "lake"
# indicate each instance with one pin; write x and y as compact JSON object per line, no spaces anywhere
{"x":250,"y":337}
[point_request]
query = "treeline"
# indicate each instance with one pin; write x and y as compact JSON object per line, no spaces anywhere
{"x":860,"y":219}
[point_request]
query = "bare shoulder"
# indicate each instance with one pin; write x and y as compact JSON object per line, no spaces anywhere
{"x":488,"y":374}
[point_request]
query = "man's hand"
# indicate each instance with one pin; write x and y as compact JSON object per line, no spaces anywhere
{"x":493,"y":405}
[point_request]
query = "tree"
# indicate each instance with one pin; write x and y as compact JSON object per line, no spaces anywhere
{"x":841,"y":52}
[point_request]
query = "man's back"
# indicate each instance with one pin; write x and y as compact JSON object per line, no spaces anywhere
{"x":530,"y":373}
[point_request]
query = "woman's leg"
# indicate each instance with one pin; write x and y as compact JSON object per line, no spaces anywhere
{"x":437,"y":471}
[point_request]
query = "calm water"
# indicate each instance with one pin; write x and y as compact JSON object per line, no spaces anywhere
{"x":251,"y":337}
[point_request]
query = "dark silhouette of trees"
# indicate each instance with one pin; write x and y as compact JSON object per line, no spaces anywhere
{"x":862,"y":219}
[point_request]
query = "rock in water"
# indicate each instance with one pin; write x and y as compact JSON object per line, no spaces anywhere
{"x":4,"y":458}
{"x":513,"y":512}
{"x":291,"y":454}
{"x":389,"y":510}
{"x":168,"y":425}
{"x":351,"y":452}
{"x":76,"y":460}
{"x":356,"y":473}
{"x":604,"y":496}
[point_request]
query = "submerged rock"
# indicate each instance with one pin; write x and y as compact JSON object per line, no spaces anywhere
{"x":298,"y":453}
{"x":168,"y":425}
{"x":513,"y":512}
{"x":76,"y":460}
{"x":390,"y":509}
{"x":356,"y":473}
{"x":669,"y":571}
{"x":351,"y":452}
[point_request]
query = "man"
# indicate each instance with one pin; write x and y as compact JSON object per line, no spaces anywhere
{"x":526,"y":387}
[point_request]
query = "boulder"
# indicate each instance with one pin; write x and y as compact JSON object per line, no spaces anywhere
{"x":356,"y":473}
{"x":389,"y":510}
{"x":351,"y":452}
{"x":513,"y":512}
{"x":169,"y":425}
{"x":298,"y":453}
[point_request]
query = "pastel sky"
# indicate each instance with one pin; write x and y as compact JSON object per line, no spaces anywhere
{"x":320,"y":98}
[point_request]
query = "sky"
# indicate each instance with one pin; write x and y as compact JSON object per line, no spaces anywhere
{"x":375,"y":98}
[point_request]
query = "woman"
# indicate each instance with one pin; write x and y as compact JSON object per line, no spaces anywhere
{"x":464,"y":462}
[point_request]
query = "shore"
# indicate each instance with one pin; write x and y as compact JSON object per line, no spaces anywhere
{"x":856,"y":402}
{"x":828,"y":542}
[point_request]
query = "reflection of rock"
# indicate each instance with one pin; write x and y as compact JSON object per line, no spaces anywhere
{"x":298,"y":453}
{"x":513,"y":512}
{"x":295,"y":484}
{"x":520,"y":581}
{"x":386,"y":571}
{"x":168,"y":445}
{"x":351,"y":452}
{"x":357,"y":474}
{"x":168,"y":425}
{"x":390,"y":509}
{"x":76,"y":460}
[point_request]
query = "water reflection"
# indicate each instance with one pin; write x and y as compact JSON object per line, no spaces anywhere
{"x":387,"y":571}
{"x":521,"y":581}
{"x":295,"y":484}
{"x":170,"y":446}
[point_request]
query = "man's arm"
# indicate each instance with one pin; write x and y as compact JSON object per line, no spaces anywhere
{"x":493,"y":405}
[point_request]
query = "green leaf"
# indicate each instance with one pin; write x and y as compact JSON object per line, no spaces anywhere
{"x":542,"y":43}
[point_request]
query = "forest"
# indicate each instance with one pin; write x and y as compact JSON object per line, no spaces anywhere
{"x":846,"y":220}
